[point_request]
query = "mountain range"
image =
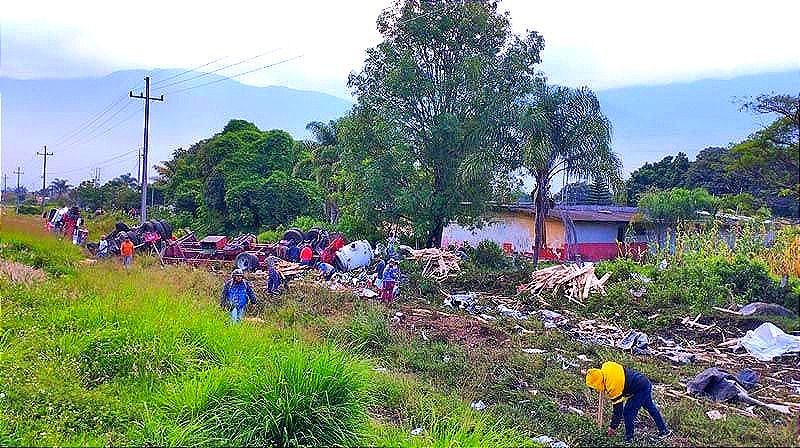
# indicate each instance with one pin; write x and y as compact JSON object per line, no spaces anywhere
{"x":649,"y":121}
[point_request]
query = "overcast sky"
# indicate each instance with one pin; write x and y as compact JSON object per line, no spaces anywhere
{"x":600,"y":44}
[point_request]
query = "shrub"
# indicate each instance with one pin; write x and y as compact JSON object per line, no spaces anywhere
{"x":488,"y":254}
{"x":271,"y":236}
{"x":368,"y":329}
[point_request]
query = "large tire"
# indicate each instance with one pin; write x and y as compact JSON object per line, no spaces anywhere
{"x":246,"y":262}
{"x":159,"y":228}
{"x":122,"y":227}
{"x":147,"y":226}
{"x":293,"y":237}
{"x":167,"y":229}
{"x":135,"y":238}
{"x":313,"y":235}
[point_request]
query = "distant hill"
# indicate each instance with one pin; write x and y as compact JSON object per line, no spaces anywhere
{"x":653,"y":121}
{"x":649,"y":121}
{"x":38,"y":112}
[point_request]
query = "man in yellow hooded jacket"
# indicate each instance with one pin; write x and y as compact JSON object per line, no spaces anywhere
{"x":629,"y":391}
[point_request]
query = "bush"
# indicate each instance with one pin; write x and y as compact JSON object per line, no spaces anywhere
{"x":271,"y":236}
{"x":368,"y":329}
{"x":488,"y":254}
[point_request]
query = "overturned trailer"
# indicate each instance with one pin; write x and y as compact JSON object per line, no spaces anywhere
{"x":247,"y":254}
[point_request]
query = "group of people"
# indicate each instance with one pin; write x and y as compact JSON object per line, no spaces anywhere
{"x":125,"y":250}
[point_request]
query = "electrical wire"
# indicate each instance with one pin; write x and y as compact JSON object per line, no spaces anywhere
{"x":229,"y":78}
{"x":217,"y":70}
{"x":157,"y":82}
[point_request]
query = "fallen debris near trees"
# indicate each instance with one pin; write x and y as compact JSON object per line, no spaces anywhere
{"x":575,"y":281}
{"x":437,"y":264}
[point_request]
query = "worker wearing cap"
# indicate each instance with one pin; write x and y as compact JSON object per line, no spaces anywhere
{"x":235,"y":295}
{"x":629,"y":391}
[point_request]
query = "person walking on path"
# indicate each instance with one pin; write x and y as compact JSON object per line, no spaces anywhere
{"x":126,"y":250}
{"x":629,"y":391}
{"x":236,"y":293}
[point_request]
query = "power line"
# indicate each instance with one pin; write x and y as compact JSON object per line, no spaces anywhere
{"x":93,"y":119}
{"x":235,"y":76}
{"x":106,"y":131}
{"x":68,"y":144}
{"x":186,"y":71}
{"x":217,"y":70}
{"x":101,"y":163}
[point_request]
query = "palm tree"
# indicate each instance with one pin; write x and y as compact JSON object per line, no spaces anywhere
{"x":59,"y":187}
{"x":321,"y":162}
{"x":563,"y":131}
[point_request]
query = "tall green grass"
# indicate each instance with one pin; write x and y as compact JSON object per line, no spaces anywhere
{"x":102,"y":356}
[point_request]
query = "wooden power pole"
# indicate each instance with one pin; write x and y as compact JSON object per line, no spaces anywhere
{"x":19,"y":173}
{"x":146,"y":97}
{"x":44,"y":172}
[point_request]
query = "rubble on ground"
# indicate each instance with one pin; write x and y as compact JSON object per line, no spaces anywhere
{"x":20,"y":273}
{"x":577,"y":282}
{"x":437,"y":264}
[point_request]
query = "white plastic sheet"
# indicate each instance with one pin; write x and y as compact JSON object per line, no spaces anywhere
{"x":768,"y":341}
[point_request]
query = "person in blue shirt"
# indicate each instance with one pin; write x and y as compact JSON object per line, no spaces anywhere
{"x":390,"y":275}
{"x":236,"y":293}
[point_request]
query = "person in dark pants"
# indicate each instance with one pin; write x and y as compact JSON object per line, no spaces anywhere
{"x":274,"y":281}
{"x":629,"y":391}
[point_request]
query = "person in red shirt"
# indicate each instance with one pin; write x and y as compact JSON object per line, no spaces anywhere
{"x":126,"y":250}
{"x":306,"y":255}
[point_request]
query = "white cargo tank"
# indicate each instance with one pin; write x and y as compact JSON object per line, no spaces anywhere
{"x":354,"y":255}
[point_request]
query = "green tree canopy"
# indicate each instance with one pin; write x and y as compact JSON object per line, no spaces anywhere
{"x":444,"y":82}
{"x":564,"y":131}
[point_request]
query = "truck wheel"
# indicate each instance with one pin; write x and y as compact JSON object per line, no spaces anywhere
{"x":293,"y":236}
{"x":167,"y":229}
{"x":246,"y":262}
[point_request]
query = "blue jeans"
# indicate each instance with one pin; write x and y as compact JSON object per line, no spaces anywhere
{"x":274,"y":282}
{"x":641,"y":399}
{"x":237,"y":314}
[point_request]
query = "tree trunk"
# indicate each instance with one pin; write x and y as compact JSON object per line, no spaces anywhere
{"x":435,"y":234}
{"x":541,"y":209}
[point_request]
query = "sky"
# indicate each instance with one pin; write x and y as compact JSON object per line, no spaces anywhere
{"x":600,"y":44}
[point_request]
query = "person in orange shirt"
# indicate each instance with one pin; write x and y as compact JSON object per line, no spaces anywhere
{"x":126,"y":250}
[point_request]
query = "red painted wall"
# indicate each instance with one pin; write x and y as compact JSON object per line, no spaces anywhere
{"x":597,"y":251}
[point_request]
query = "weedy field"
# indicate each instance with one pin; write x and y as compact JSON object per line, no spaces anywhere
{"x":92,"y":355}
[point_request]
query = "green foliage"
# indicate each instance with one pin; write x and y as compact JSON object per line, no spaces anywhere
{"x":368,"y":330}
{"x":239,"y":181}
{"x":40,"y":251}
{"x":666,"y":174}
{"x":467,"y":68}
{"x":676,"y":205}
{"x":489,"y":254}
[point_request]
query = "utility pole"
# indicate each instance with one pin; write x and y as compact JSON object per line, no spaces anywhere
{"x":5,"y":182}
{"x":146,"y":97}
{"x":96,"y":177}
{"x":19,"y":173}
{"x":44,"y":172}
{"x":139,"y":166}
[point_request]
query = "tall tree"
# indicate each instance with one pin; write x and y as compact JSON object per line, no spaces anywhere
{"x":564,"y":131}
{"x":447,"y":77}
{"x":772,"y":155}
{"x":59,"y":187}
{"x":319,"y":160}
{"x":669,"y":172}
